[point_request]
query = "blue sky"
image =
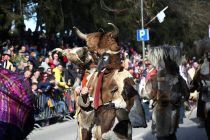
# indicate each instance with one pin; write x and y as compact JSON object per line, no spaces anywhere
{"x":31,"y":23}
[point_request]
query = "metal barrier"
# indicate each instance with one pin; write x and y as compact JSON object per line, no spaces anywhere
{"x":54,"y":107}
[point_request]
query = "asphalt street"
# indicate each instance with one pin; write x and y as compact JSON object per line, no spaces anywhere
{"x":68,"y":131}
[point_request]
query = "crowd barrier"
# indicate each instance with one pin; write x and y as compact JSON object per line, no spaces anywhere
{"x":53,"y":107}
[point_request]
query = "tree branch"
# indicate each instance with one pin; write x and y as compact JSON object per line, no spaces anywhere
{"x":106,"y":8}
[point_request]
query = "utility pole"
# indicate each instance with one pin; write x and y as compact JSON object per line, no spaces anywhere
{"x":20,"y":4}
{"x":142,"y":26}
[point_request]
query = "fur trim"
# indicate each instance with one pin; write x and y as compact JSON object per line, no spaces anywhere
{"x":96,"y":133}
{"x":120,"y":103}
{"x":110,"y":135}
{"x":157,"y":54}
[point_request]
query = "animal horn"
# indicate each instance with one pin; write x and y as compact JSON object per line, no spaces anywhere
{"x":80,"y":34}
{"x":57,"y":50}
{"x":115,"y":31}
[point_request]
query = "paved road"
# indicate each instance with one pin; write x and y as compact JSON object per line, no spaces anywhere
{"x":68,"y":131}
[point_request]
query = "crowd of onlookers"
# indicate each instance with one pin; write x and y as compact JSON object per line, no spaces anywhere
{"x":50,"y":74}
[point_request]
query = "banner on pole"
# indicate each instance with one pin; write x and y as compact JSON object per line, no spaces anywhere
{"x":160,"y":16}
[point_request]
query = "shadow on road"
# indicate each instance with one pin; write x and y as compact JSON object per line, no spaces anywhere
{"x":184,"y":132}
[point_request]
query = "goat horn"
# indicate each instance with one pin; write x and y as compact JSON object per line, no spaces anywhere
{"x":80,"y":34}
{"x":115,"y":31}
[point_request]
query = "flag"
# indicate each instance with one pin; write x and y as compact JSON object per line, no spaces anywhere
{"x":161,"y":15}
